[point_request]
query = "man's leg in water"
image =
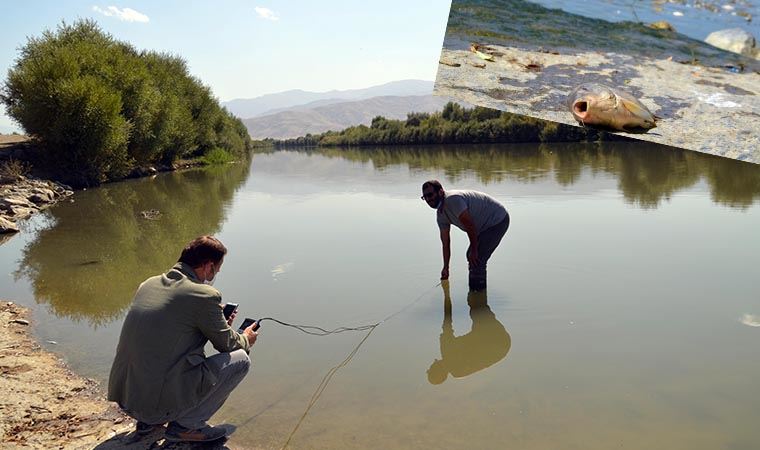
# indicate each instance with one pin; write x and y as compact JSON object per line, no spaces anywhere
{"x":488,"y":240}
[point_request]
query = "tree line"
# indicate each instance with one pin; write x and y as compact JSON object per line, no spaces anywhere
{"x":454,"y":124}
{"x":98,"y":108}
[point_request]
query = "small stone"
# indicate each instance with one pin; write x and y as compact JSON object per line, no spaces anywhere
{"x":20,"y":212}
{"x":20,"y":321}
{"x":6,"y":226}
{"x":7,"y":203}
{"x":42,"y":196}
{"x":662,"y":25}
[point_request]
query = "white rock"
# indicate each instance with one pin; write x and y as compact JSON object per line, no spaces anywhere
{"x":734,"y":40}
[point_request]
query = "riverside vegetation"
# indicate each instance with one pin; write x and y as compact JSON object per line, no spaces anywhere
{"x":99,"y":109}
{"x":454,"y":124}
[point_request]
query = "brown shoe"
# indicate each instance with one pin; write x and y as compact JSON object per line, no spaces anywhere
{"x":177,"y":433}
{"x":143,"y":428}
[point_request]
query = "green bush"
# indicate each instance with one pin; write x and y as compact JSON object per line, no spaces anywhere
{"x":99,"y":108}
{"x":217,"y":155}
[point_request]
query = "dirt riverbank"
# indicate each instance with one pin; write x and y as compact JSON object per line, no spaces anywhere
{"x":44,"y":404}
{"x":47,"y":406}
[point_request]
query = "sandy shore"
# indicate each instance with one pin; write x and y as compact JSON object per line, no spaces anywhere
{"x":47,"y":406}
{"x":44,"y":404}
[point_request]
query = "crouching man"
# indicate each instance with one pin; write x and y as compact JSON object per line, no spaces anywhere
{"x":160,"y":373}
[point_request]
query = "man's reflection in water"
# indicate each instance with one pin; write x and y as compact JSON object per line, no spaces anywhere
{"x":486,"y":344}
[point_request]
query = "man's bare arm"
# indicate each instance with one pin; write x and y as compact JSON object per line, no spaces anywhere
{"x":446,"y":245}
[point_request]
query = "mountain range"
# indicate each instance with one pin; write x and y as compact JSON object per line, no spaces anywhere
{"x":272,"y":103}
{"x":337,"y":116}
{"x":296,"y":113}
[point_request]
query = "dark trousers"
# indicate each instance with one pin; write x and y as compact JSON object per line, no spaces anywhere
{"x":488,"y":240}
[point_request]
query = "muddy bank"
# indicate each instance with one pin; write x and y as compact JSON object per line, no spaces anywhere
{"x":44,"y":404}
{"x":709,"y":99}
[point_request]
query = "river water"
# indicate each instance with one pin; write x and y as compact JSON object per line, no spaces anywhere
{"x":623,"y":307}
{"x":694,"y":18}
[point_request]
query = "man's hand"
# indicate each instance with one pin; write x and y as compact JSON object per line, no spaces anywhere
{"x":250,"y":334}
{"x":232,"y":317}
{"x":445,"y":273}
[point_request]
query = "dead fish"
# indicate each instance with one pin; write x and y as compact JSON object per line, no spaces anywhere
{"x":90,"y":262}
{"x":603,"y":106}
{"x":661,"y":25}
{"x":151,"y":214}
{"x":475,"y":48}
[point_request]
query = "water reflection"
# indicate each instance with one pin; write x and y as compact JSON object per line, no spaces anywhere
{"x":89,"y":261}
{"x":647,"y":173}
{"x":487,"y":343}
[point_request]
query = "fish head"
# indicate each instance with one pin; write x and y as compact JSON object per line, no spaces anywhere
{"x":591,"y":104}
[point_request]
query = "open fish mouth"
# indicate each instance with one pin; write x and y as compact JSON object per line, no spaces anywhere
{"x":580,"y":108}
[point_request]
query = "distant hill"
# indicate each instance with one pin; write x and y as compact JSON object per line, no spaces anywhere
{"x":300,"y":121}
{"x":271,"y":103}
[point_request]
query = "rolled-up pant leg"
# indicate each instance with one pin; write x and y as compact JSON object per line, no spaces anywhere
{"x":488,"y":240}
{"x":230,"y":369}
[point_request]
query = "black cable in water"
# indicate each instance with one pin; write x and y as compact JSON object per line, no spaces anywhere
{"x":317,"y":331}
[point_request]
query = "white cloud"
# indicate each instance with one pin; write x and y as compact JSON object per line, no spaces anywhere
{"x":125,"y":14}
{"x":266,"y":13}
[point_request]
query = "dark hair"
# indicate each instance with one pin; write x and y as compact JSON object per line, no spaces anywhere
{"x":202,"y":250}
{"x":435,"y":184}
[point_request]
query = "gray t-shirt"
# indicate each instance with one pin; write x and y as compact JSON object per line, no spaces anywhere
{"x":484,"y":210}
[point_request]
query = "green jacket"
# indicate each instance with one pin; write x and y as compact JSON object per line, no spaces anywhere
{"x":160,"y":366}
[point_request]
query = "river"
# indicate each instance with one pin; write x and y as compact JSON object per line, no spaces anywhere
{"x":622,"y":309}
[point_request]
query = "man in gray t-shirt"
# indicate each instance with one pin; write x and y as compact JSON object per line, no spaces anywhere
{"x":482,"y":217}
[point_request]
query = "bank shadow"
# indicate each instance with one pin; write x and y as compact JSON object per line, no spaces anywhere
{"x":487,"y":342}
{"x":155,"y":440}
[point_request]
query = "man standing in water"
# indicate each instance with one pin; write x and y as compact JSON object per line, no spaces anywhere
{"x":484,"y":219}
{"x":160,"y":373}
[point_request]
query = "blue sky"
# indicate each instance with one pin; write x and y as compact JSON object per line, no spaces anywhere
{"x":243,"y":49}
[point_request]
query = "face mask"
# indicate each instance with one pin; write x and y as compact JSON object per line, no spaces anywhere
{"x":211,"y":281}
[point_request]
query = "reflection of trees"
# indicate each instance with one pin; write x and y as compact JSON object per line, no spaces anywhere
{"x":89,"y":263}
{"x":737,"y":186}
{"x":647,"y":173}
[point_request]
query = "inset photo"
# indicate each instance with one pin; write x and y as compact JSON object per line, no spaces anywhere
{"x":680,"y":73}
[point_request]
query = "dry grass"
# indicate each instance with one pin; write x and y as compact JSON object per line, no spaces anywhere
{"x":14,"y":169}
